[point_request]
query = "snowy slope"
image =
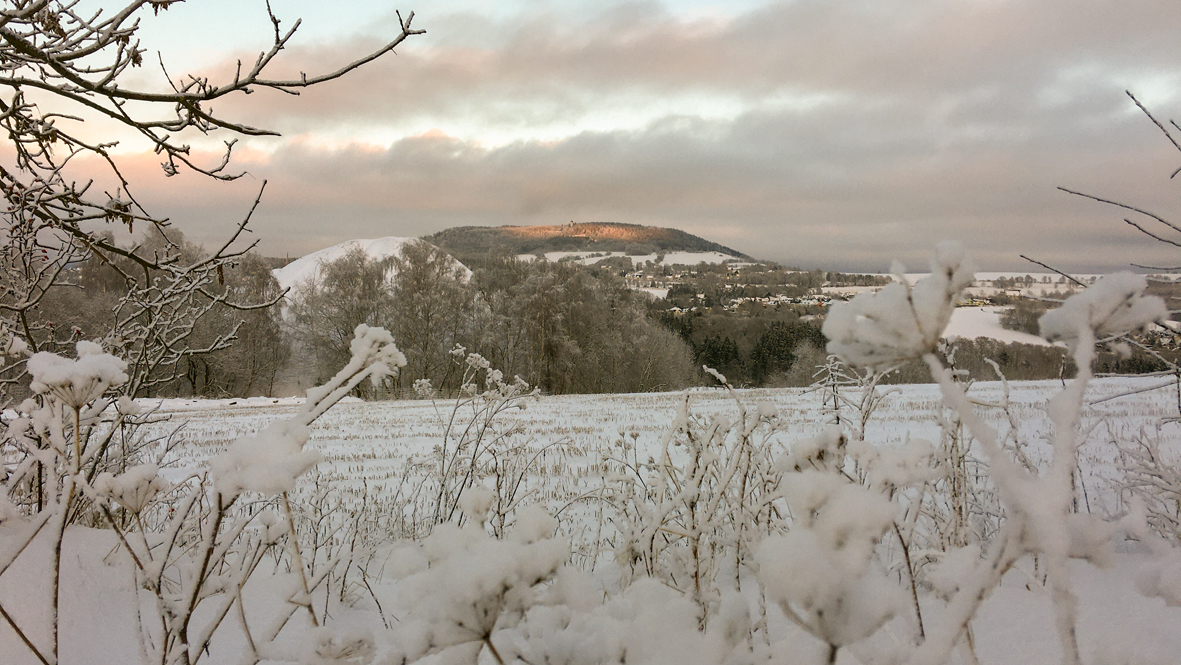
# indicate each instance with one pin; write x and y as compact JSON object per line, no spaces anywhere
{"x":308,"y":266}
{"x":973,"y":322}
{"x":966,"y":322}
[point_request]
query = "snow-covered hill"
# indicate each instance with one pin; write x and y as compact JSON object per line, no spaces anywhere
{"x":306,"y":267}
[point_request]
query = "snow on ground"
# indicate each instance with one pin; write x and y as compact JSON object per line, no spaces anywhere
{"x":373,"y":448}
{"x":966,"y":322}
{"x":973,"y":322}
{"x":1038,"y":277}
{"x":385,"y":434}
{"x":308,"y":266}
{"x":1044,"y":284}
{"x":177,"y":404}
{"x":670,"y":258}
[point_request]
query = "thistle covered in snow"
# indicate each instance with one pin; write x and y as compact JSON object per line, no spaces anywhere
{"x":900,"y":322}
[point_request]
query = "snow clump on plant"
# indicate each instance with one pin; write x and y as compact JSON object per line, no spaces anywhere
{"x":1114,"y":305}
{"x":820,"y":572}
{"x":134,"y":489}
{"x":268,"y":462}
{"x":12,"y":346}
{"x":272,"y":460}
{"x":76,"y":382}
{"x":468,"y":586}
{"x":900,"y":322}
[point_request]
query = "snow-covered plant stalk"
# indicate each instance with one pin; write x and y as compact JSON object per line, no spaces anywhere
{"x":903,"y":322}
{"x":1152,"y":476}
{"x":465,"y":586}
{"x":205,"y":552}
{"x":952,"y":527}
{"x":54,"y":432}
{"x":475,"y":440}
{"x":964,"y":507}
{"x":822,"y":572}
{"x":844,"y":389}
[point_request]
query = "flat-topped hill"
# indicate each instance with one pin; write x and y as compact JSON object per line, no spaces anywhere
{"x":633,"y":239}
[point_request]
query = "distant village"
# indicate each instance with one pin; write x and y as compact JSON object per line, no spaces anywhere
{"x":735,"y":285}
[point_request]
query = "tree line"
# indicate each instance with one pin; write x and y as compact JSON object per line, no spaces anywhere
{"x":564,"y":327}
{"x":561,"y":327}
{"x":768,"y":347}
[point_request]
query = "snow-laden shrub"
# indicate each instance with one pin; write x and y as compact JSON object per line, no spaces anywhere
{"x":468,"y":586}
{"x":191,"y":551}
{"x":693,"y":517}
{"x":1152,"y":476}
{"x":819,"y":573}
{"x":731,"y":502}
{"x":463,"y":593}
{"x":53,"y":449}
{"x":900,"y":323}
{"x":481,"y":444}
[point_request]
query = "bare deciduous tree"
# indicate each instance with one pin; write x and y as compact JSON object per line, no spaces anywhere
{"x":60,"y":67}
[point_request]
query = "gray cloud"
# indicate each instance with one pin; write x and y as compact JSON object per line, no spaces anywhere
{"x":867,"y":130}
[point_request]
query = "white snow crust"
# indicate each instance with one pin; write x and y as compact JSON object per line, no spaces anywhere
{"x":974,"y":322}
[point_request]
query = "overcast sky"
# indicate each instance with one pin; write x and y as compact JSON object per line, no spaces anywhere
{"x":836,"y":134}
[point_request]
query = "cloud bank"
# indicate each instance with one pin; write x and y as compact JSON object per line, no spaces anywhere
{"x":833,"y":134}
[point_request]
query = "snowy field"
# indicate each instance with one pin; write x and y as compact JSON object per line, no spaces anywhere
{"x":371,"y":450}
{"x":375,"y":440}
{"x":973,"y":322}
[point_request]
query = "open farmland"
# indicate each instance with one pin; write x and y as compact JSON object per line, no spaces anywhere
{"x":376,"y":452}
{"x":377,"y":441}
